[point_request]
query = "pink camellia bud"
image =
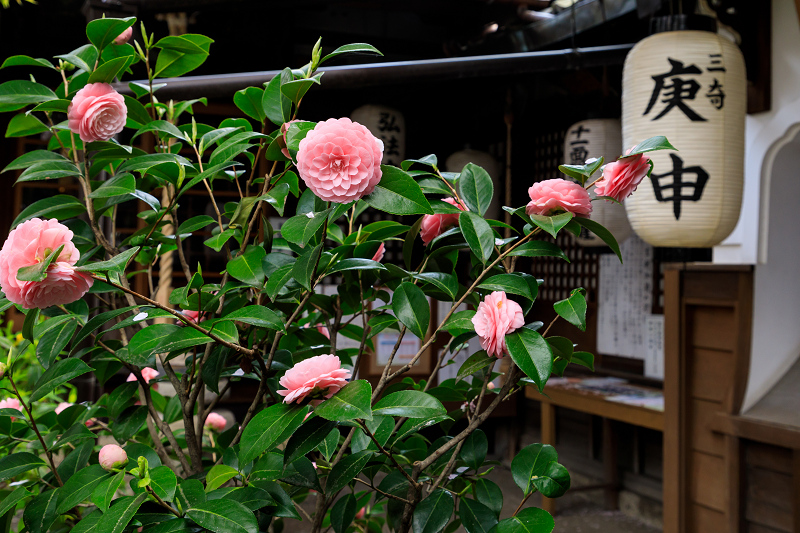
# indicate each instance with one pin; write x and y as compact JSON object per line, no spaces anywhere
{"x":434,"y":225}
{"x":216,"y":422}
{"x":63,"y":405}
{"x":3,"y":368}
{"x":550,"y":197}
{"x":318,"y":377}
{"x":124,"y":37}
{"x":112,"y":457}
{"x":360,"y":514}
{"x":147,"y":373}
{"x":620,"y":178}
{"x":324,"y":331}
{"x":490,"y":386}
{"x":496,"y":317}
{"x":10,"y":403}
{"x":379,"y":253}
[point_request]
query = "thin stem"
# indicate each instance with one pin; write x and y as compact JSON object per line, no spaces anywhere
{"x":522,"y":503}
{"x":386,"y":453}
{"x":379,"y":491}
{"x":161,"y":502}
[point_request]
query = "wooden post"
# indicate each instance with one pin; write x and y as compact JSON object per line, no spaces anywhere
{"x":548,"y":437}
{"x":673,"y":432}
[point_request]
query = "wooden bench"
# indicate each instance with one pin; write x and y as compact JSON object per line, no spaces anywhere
{"x":580,"y":395}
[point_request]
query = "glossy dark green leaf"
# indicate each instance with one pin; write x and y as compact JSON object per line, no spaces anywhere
{"x":129,"y":423}
{"x":276,"y":106}
{"x":257,"y":315}
{"x":411,"y":307}
{"x":102,"y":32}
{"x":648,"y":145}
{"x":475,"y":448}
{"x":476,"y":188}
{"x":23,"y":125}
{"x":224,"y":516}
{"x":58,"y":374}
{"x":554,"y":481}
{"x":476,"y":517}
{"x":247,"y":267}
{"x":528,"y":520}
{"x":488,"y":493}
{"x":26,"y":61}
{"x":17,"y":463}
{"x":60,"y":206}
{"x":351,"y":402}
{"x":328,"y":445}
{"x":190,"y":493}
{"x":584,"y":359}
{"x":109,"y":70}
{"x":40,"y":513}
{"x":103,"y":494}
{"x":532,"y":354}
{"x":358,"y":48}
{"x":17,"y":94}
{"x":345,"y":470}
{"x":181,"y":54}
{"x":478,"y":234}
{"x":520,"y":284}
{"x":120,"y":514}
{"x":218,"y":241}
{"x":118,"y":263}
{"x":539,"y":249}
{"x":75,"y":460}
{"x":409,"y":403}
{"x":397,"y":193}
{"x":300,"y":229}
{"x":38,"y":271}
{"x":434,"y":512}
{"x":447,"y":283}
{"x":80,"y":487}
{"x":54,"y":341}
{"x":475,"y":362}
{"x":249,"y":101}
{"x":552,"y":225}
{"x":295,"y":90}
{"x":304,"y":268}
{"x":343,"y":513}
{"x":606,"y":236}
{"x":266,"y":428}
{"x":120,"y":184}
{"x":531,"y":462}
{"x":84,"y":57}
{"x":10,"y":501}
{"x":163,"y":482}
{"x":355,"y":263}
{"x":573,"y":309}
{"x":582,"y":172}
{"x":37,"y":156}
{"x":218,"y":476}
{"x":306,"y":438}
{"x":251,"y":497}
{"x":48,"y":170}
{"x":302,"y":473}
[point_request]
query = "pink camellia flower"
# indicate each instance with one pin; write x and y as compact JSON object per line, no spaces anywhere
{"x":549,"y":197}
{"x":11,"y":403}
{"x":124,"y":37}
{"x":147,"y":373}
{"x":340,"y":160}
{"x":496,"y":317}
{"x":216,"y":422}
{"x":191,"y":316}
{"x":434,"y":225}
{"x":317,"y":377}
{"x":112,"y":457}
{"x":324,"y":331}
{"x":63,"y":405}
{"x":621,"y":177}
{"x":97,"y":112}
{"x":379,"y":253}
{"x":30,"y":243}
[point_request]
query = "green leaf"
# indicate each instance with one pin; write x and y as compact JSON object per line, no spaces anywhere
{"x":475,"y":362}
{"x":10,"y":502}
{"x":164,"y":482}
{"x":601,"y":232}
{"x":26,"y":61}
{"x":80,"y":487}
{"x":351,"y":402}
{"x":218,"y":241}
{"x":195,"y":223}
{"x":343,"y":513}
{"x":489,"y":493}
{"x":267,"y":427}
{"x":249,"y":101}
{"x":223,"y":516}
{"x":649,"y":145}
{"x":301,"y":228}
{"x":161,"y":126}
{"x":120,"y":184}
{"x":251,"y":497}
{"x":60,"y":206}
{"x":137,"y":113}
{"x":531,"y":462}
{"x":109,"y":70}
{"x":37,"y":156}
{"x":17,"y":463}
{"x":247,"y":267}
{"x":478,"y":234}
{"x":181,"y":54}
{"x":529,"y":520}
{"x":532,"y":354}
{"x":573,"y":309}
{"x":257,"y":315}
{"x":102,"y":32}
{"x":447,"y":283}
{"x":474,"y":450}
{"x":276,"y":106}
{"x":218,"y":476}
{"x":554,"y":481}
{"x":117,"y":264}
{"x":17,"y":94}
{"x":554,"y":224}
{"x":520,"y":284}
{"x":582,"y":172}
{"x":40,"y":513}
{"x":55,"y":340}
{"x":345,"y":470}
{"x":328,"y":445}
{"x":476,"y":517}
{"x":103,"y":494}
{"x":434,"y":512}
{"x":539,"y":249}
{"x":23,"y":124}
{"x":49,"y":170}
{"x":190,"y":493}
{"x":411,"y":307}
{"x":129,"y":423}
{"x":296,"y":89}
{"x":29,"y":323}
{"x":409,"y":403}
{"x":584,"y":359}
{"x":397,"y":193}
{"x":50,"y":106}
{"x":84,"y":57}
{"x":58,"y":374}
{"x":120,"y":514}
{"x":38,"y":271}
{"x":303,"y":269}
{"x":476,"y":188}
{"x":355,"y":263}
{"x":307,"y":438}
{"x":357,"y":48}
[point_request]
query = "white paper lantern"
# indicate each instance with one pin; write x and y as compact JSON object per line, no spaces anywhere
{"x":388,"y":125}
{"x":594,"y":139}
{"x":458,"y":160}
{"x":691,"y":87}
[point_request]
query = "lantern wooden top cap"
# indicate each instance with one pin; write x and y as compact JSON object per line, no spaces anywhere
{"x":682,"y":23}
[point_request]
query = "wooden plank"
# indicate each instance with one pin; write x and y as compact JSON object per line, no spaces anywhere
{"x":709,"y":374}
{"x":757,"y":430}
{"x":758,"y":528}
{"x":767,"y":515}
{"x":766,"y":487}
{"x":768,"y":457}
{"x":711,"y":285}
{"x":703,"y":520}
{"x":610,"y":468}
{"x":711,"y":328}
{"x":736,"y":497}
{"x":796,"y":490}
{"x":701,"y":414}
{"x":674,"y":468}
{"x":708,"y":482}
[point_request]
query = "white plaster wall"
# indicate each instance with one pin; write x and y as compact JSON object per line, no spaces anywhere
{"x":762,"y":130}
{"x":776,"y":298}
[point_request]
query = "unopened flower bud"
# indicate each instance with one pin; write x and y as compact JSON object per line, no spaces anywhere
{"x":3,"y":368}
{"x":216,"y":422}
{"x":112,"y":457}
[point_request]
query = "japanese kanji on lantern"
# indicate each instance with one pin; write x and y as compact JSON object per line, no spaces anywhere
{"x":690,"y":86}
{"x":591,"y":139}
{"x":388,"y":125}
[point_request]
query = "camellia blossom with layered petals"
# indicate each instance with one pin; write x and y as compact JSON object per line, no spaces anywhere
{"x":112,"y":457}
{"x":340,"y":160}
{"x":620,"y":178}
{"x":216,"y":422}
{"x":97,"y":112}
{"x":30,"y":243}
{"x":496,"y":317}
{"x":317,"y":377}
{"x":147,"y":373}
{"x":550,"y":197}
{"x":434,"y":225}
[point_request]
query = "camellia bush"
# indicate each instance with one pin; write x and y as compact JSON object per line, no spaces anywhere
{"x":317,"y":443}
